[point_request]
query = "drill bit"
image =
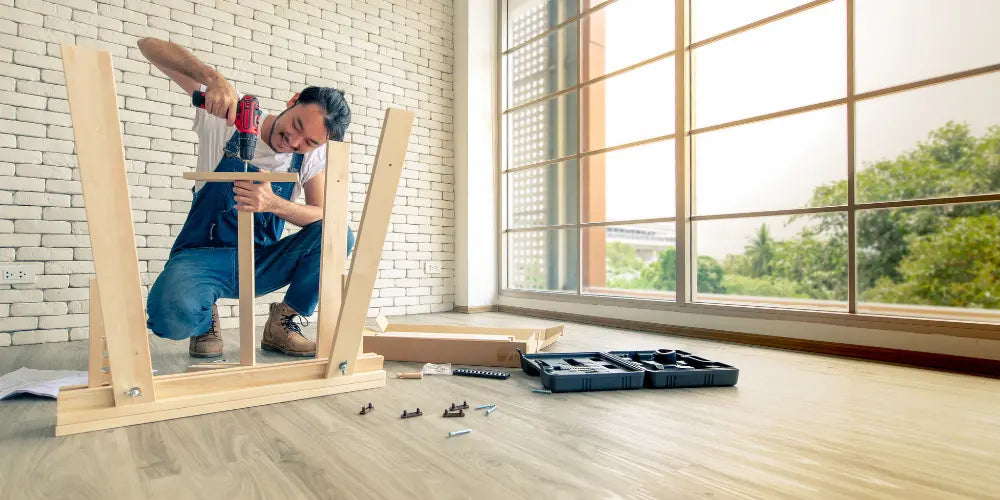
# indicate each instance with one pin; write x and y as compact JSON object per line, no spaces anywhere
{"x":245,"y":167}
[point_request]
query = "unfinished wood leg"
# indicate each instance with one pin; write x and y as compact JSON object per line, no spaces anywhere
{"x":334,"y":249}
{"x":248,"y":349}
{"x":98,"y":369}
{"x":93,"y":106}
{"x":371,"y":237}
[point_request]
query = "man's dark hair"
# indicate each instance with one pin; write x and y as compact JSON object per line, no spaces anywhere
{"x":336,"y":115}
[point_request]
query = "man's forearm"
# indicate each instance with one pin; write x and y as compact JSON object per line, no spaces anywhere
{"x":297,"y":213}
{"x":172,"y":58}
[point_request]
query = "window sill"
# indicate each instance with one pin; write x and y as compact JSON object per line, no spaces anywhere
{"x":983,"y":324}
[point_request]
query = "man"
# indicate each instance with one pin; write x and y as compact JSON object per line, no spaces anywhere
{"x":202,"y":266}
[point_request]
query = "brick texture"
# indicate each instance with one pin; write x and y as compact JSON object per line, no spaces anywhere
{"x":382,"y":53}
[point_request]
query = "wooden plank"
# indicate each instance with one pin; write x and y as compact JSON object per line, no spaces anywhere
{"x":201,"y":367}
{"x":334,"y":247}
{"x":182,"y":389}
{"x":93,"y":105}
{"x":552,"y":334}
{"x":448,"y":336}
{"x":245,"y":242}
{"x":230,"y":400}
{"x":242,"y":176}
{"x":367,"y":362}
{"x":496,"y":352}
{"x":521,"y":333}
{"x":371,"y":237}
{"x":96,"y":376}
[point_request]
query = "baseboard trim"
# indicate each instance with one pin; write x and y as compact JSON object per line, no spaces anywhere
{"x":476,"y":309}
{"x":946,"y":362}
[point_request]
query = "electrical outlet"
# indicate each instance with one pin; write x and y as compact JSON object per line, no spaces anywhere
{"x":16,"y":274}
{"x":432,"y":267}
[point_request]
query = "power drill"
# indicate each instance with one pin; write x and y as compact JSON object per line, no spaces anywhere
{"x":247,"y":123}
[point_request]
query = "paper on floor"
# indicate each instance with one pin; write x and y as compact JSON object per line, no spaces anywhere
{"x":39,"y":382}
{"x":433,"y":369}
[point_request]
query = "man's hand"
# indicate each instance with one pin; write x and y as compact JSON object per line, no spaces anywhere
{"x":252,"y":197}
{"x":221,"y":98}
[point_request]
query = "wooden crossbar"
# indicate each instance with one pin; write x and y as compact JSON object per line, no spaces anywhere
{"x":134,"y":396}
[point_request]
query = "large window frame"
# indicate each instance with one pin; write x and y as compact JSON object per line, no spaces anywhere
{"x":965,"y":322}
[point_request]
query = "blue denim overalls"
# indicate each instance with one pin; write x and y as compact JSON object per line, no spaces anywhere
{"x":203,"y":263}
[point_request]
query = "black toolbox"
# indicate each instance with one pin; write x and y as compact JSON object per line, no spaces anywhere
{"x":616,"y":370}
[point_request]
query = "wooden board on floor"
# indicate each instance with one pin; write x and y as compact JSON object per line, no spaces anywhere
{"x":458,"y":344}
{"x":93,"y":105}
{"x":371,"y":237}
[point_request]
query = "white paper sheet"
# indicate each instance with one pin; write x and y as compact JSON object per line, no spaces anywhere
{"x":39,"y":382}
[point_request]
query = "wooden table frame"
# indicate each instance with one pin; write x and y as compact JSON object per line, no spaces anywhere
{"x":122,"y":390}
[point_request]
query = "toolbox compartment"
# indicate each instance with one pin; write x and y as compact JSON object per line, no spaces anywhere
{"x":617,"y":370}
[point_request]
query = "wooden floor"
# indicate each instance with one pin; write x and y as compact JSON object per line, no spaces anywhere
{"x":796,"y":426}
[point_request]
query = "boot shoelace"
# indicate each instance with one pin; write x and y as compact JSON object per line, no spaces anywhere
{"x":289,"y":323}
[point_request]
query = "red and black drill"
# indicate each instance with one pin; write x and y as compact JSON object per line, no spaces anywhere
{"x":247,"y":123}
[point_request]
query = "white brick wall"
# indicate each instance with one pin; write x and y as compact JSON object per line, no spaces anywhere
{"x":380,"y":52}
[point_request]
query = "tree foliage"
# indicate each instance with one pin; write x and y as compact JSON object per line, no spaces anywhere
{"x":945,"y":255}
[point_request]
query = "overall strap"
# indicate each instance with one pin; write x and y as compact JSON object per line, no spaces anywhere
{"x":232,"y":146}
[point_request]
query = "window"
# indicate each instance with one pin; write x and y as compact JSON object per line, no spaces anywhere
{"x":839,"y":155}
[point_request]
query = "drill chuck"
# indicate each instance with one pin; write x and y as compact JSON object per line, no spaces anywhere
{"x":248,"y":144}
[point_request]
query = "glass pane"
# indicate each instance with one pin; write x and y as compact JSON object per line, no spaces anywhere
{"x":629,"y":107}
{"x":629,"y":184}
{"x":941,"y":261}
{"x":544,"y":66}
{"x":798,"y":262}
{"x":543,"y":131}
{"x":797,"y":61}
{"x":625,"y":33}
{"x":528,"y":18}
{"x":900,"y":41}
{"x":930,"y":142}
{"x":789,"y":162}
{"x":711,"y":17}
{"x":543,"y":196}
{"x":634,"y":260}
{"x":543,"y":260}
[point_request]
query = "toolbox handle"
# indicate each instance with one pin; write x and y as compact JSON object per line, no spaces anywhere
{"x":528,"y":366}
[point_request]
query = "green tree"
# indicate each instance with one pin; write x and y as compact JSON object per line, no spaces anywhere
{"x":622,"y":260}
{"x":711,"y":275}
{"x":661,"y":274}
{"x":760,"y":251}
{"x":958,"y":266}
{"x":950,"y":162}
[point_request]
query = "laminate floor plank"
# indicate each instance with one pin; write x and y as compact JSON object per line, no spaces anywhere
{"x":797,"y":425}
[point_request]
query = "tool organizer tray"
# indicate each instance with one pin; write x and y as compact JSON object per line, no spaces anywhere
{"x":616,"y":370}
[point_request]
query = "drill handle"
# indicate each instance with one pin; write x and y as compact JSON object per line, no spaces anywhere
{"x":198,"y":99}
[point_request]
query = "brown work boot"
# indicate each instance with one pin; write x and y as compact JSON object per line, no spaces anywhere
{"x":282,"y":334}
{"x":208,"y":344}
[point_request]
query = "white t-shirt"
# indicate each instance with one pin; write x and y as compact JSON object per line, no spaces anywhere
{"x":213,"y":134}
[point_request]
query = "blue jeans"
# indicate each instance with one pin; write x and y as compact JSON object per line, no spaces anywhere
{"x":180,"y":302}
